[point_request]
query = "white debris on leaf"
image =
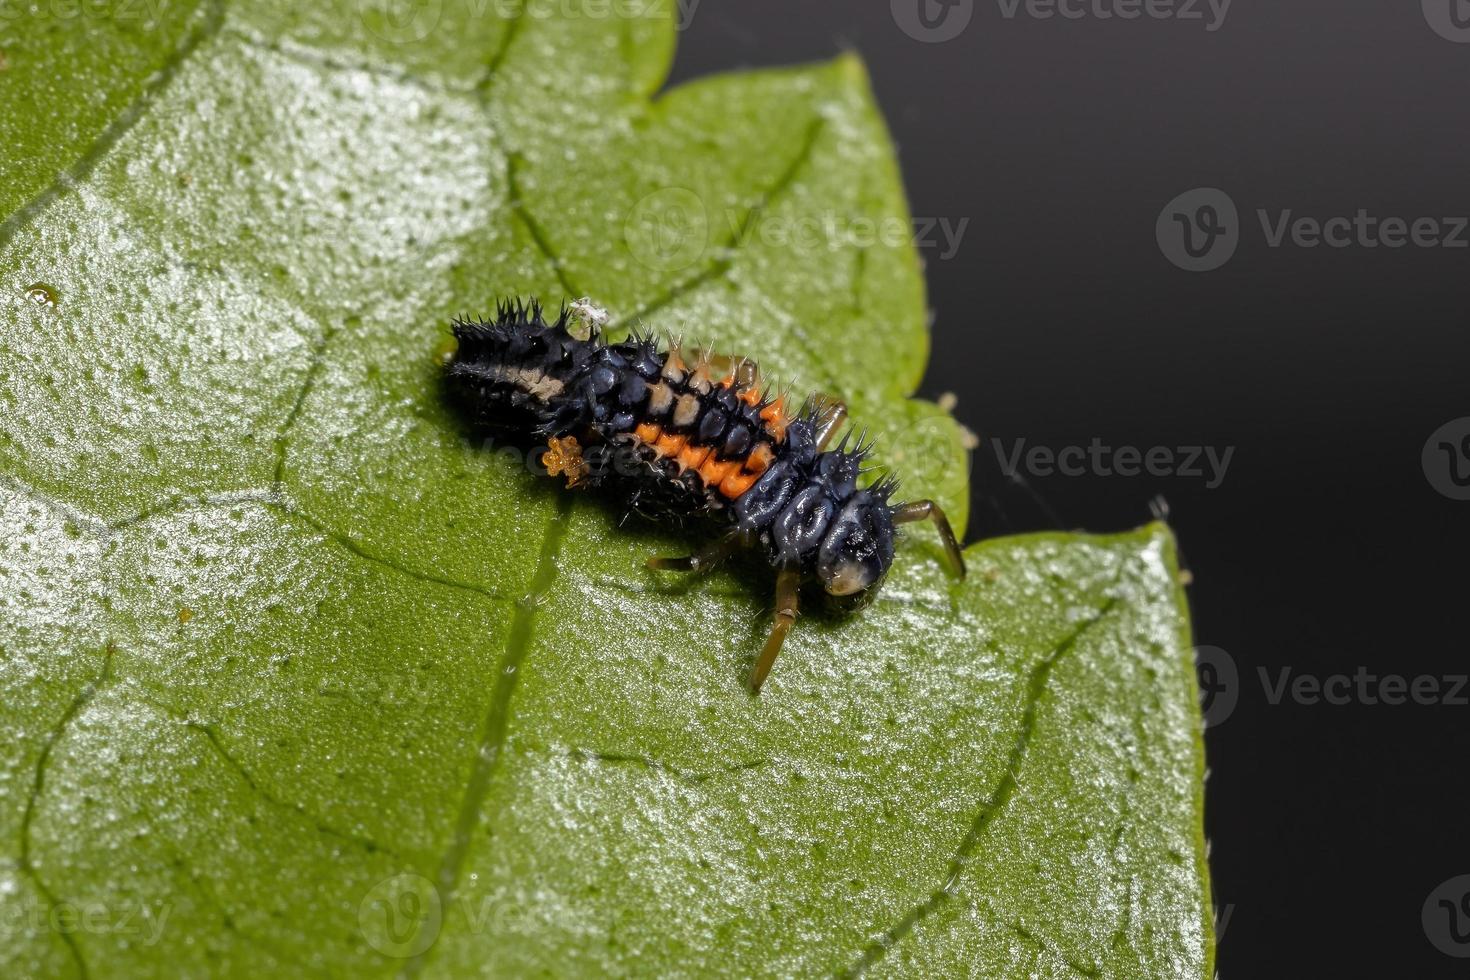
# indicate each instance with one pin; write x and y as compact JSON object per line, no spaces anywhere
{"x":585,"y":311}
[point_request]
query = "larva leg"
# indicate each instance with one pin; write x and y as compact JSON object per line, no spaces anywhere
{"x":702,"y":560}
{"x":747,"y":373}
{"x":788,"y":581}
{"x":920,"y":510}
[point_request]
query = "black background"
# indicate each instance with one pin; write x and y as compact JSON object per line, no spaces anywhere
{"x":1325,"y":549}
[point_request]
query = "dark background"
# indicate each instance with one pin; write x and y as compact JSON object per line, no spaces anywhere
{"x":1325,"y":548}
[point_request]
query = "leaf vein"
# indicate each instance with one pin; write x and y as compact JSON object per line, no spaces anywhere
{"x":513,"y":163}
{"x":212,"y":737}
{"x":313,"y":372}
{"x":498,"y":56}
{"x":271,"y":499}
{"x":1047,"y":948}
{"x":227,"y":920}
{"x":355,"y":548}
{"x":692,"y":776}
{"x":1037,"y":685}
{"x":492,"y":740}
{"x":210,"y":24}
{"x":38,"y":785}
{"x":725,"y":252}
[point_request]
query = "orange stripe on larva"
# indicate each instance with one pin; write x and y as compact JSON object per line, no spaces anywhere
{"x":751,"y":394}
{"x":730,"y":477}
{"x":693,"y":457}
{"x":760,"y":458}
{"x":737,"y":483}
{"x":713,"y":472}
{"x":774,"y":415}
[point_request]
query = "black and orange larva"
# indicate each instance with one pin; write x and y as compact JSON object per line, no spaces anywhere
{"x":692,"y":433}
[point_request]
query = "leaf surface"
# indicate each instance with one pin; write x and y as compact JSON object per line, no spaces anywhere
{"x":294,"y":675}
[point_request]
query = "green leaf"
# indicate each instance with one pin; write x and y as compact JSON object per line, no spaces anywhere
{"x":296,"y":676}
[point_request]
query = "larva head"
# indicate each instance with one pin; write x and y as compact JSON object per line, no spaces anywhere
{"x":857,"y":549}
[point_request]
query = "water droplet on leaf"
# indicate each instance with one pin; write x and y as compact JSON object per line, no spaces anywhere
{"x":41,"y":294}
